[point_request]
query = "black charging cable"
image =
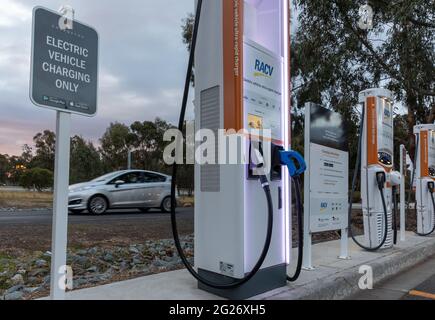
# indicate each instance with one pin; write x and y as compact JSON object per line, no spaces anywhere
{"x":431,"y":188}
{"x":417,"y":144}
{"x":380,"y":178}
{"x":300,"y":219}
{"x":395,"y":215}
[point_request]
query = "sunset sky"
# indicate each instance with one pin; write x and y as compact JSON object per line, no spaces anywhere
{"x":142,"y":65}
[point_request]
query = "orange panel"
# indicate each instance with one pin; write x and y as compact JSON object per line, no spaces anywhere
{"x":372,"y":131}
{"x":233,"y":63}
{"x":424,"y":154}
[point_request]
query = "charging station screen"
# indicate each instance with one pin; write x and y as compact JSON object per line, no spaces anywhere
{"x":262,"y":89}
{"x":385,"y":132}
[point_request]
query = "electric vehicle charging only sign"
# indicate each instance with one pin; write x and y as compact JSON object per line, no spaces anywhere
{"x":64,"y":71}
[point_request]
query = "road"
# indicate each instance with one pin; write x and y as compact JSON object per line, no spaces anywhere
{"x":44,"y":217}
{"x":417,"y":283}
{"x":12,"y":189}
{"x":27,"y":231}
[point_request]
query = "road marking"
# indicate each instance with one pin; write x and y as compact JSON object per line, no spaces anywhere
{"x":422,"y":294}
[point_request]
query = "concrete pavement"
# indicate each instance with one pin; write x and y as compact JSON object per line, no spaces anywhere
{"x":420,"y":278}
{"x":331,"y":279}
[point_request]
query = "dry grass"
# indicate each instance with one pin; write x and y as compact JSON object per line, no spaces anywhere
{"x":25,"y":199}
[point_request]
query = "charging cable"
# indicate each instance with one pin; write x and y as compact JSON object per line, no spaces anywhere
{"x":380,"y":179}
{"x":296,"y":166}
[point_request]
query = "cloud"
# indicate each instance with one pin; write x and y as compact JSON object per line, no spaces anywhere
{"x":13,"y":13}
{"x":142,"y":65}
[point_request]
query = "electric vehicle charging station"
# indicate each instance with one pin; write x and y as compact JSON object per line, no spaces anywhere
{"x":424,"y":178}
{"x":377,"y":160}
{"x":242,"y":76}
{"x":240,"y":50}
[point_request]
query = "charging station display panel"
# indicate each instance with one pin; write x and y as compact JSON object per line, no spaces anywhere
{"x":262,"y":89}
{"x":385,"y":132}
{"x":328,"y":170}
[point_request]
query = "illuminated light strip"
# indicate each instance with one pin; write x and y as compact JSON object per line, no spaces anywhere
{"x":422,"y":294}
{"x":286,"y":130}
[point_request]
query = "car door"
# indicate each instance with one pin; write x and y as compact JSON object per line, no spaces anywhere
{"x":128,"y":194}
{"x":154,"y":187}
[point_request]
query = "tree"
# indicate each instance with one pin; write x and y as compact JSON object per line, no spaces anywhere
{"x":86,"y":163}
{"x":400,"y":136}
{"x":45,"y":145}
{"x":115,"y":145}
{"x":146,"y":138}
{"x":37,"y":178}
{"x":4,"y":167}
{"x":16,"y":169}
{"x":187,"y":33}
{"x":27,"y":155}
{"x":332,"y":66}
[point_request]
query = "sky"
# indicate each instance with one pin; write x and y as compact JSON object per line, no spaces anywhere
{"x":142,"y":65}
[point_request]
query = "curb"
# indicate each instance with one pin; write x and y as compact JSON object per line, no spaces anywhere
{"x":344,"y":284}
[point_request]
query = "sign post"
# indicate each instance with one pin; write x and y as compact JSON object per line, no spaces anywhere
{"x":60,"y":206}
{"x":64,"y":77}
{"x":403,"y":170}
{"x":326,"y":181}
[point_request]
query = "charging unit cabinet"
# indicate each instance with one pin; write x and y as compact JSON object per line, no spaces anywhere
{"x":377,"y":155}
{"x":242,"y":83}
{"x":424,"y":173}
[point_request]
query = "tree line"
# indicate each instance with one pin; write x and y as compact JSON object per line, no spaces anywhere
{"x":34,"y":167}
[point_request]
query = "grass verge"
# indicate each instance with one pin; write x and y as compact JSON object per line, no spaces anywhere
{"x":25,"y":199}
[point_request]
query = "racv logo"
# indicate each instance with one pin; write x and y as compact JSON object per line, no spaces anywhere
{"x":263,"y":69}
{"x":387,"y":112}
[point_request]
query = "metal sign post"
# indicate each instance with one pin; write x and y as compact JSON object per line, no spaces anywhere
{"x":64,"y":77}
{"x":60,"y":207}
{"x":326,"y":180}
{"x":307,"y":254}
{"x":402,"y":191}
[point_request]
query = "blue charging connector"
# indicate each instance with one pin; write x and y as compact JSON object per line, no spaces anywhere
{"x":294,"y":161}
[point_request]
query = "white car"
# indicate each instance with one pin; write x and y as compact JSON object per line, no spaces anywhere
{"x":128,"y":189}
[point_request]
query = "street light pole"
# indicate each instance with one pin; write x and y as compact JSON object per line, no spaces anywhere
{"x":129,"y":160}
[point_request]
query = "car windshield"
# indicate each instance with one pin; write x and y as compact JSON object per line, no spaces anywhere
{"x":106,"y":177}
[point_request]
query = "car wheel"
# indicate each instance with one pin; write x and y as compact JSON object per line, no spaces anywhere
{"x":76,"y":211}
{"x":166,"y":205}
{"x":98,"y":205}
{"x":144,"y":210}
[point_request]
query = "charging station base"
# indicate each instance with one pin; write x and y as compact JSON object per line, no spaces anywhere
{"x":264,"y":280}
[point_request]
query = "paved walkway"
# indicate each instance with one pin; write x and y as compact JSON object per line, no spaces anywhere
{"x":331,"y":279}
